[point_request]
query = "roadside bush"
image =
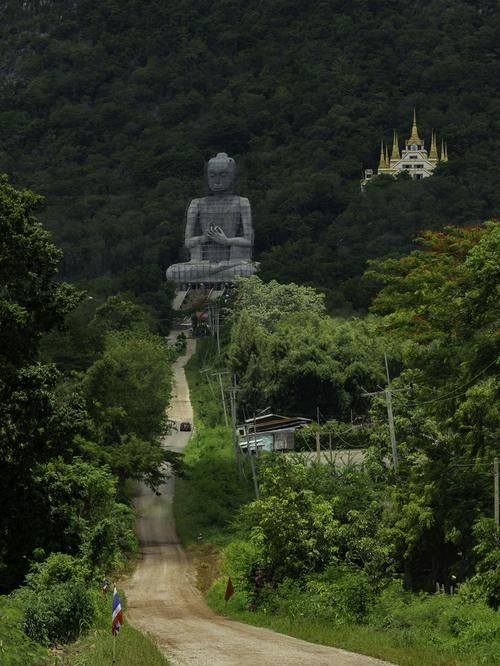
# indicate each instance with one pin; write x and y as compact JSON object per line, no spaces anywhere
{"x":348,"y":590}
{"x":109,"y":544}
{"x":58,"y":615}
{"x":57,"y":568}
{"x":293,"y":532}
{"x":17,"y":649}
{"x":341,"y":595}
{"x":449,"y":622}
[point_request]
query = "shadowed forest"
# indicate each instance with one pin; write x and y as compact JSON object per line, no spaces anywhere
{"x":110,"y":110}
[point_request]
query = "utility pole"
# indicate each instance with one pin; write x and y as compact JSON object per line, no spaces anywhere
{"x":388,"y":400}
{"x":217,"y":328}
{"x":214,"y":322}
{"x":497,"y":494}
{"x":390,"y":417}
{"x":252,"y":461}
{"x":236,"y":447}
{"x":222,"y":396}
{"x":255,"y":433}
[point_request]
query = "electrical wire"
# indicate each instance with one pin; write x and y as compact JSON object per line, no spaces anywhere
{"x":454,"y":394}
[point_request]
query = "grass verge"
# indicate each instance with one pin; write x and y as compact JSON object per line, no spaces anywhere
{"x":95,"y":647}
{"x":432,"y":631}
{"x":214,"y":486}
{"x":16,"y":649}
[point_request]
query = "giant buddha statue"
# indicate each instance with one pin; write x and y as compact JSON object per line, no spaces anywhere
{"x":219,"y":232}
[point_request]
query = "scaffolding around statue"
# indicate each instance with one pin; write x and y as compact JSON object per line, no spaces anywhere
{"x":219,"y":232}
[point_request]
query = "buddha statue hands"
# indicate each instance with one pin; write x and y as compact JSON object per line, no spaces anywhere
{"x":217,"y":234}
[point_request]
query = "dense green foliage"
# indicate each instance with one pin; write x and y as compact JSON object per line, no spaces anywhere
{"x":109,"y":109}
{"x":439,"y":330}
{"x":17,"y":648}
{"x":288,"y":355}
{"x":57,"y":600}
{"x":351,"y":546}
{"x":79,"y":422}
{"x":95,"y":647}
{"x":34,"y":426}
{"x":442,"y":300}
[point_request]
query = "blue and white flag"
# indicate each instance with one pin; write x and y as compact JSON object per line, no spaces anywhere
{"x":117,"y":614}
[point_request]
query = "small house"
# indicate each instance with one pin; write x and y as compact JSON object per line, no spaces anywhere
{"x":270,"y":432}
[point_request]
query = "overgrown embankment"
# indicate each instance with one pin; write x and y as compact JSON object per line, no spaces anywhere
{"x":323,"y":552}
{"x":208,"y":496}
{"x":84,"y":383}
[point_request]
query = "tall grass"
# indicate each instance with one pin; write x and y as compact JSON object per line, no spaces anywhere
{"x":436,"y":630}
{"x":16,"y":649}
{"x":132,"y":649}
{"x":95,"y":648}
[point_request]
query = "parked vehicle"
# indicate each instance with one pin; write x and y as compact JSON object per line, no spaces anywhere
{"x":185,"y":426}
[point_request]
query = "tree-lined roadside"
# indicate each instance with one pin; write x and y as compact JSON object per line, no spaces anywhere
{"x":164,"y":600}
{"x":352,"y":557}
{"x":84,"y":384}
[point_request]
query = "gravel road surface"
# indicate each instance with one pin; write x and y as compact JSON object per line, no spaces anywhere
{"x":164,"y":602}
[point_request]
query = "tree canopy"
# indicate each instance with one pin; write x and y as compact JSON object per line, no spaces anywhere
{"x":111,"y":109}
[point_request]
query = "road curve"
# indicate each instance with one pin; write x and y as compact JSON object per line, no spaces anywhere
{"x":164,"y":602}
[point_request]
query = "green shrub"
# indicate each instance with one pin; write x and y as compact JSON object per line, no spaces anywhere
{"x":449,"y":622}
{"x":350,"y":592}
{"x":58,"y":614}
{"x":17,"y":649}
{"x":57,"y":568}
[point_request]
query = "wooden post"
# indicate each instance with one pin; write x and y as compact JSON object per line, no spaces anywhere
{"x":252,"y":462}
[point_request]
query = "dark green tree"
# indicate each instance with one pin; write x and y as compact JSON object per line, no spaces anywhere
{"x":34,"y":425}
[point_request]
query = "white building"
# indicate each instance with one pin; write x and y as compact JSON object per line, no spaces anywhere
{"x":413,"y":158}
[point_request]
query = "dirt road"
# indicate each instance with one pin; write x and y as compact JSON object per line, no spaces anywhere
{"x":163,"y":600}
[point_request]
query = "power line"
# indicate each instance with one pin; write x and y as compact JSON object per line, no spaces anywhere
{"x":454,"y":393}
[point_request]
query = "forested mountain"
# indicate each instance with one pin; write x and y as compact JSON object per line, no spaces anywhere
{"x":110,"y":108}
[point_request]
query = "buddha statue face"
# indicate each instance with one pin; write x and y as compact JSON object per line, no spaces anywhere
{"x":220,"y":173}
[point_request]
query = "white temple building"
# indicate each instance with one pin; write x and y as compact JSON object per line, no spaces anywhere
{"x":413,"y":158}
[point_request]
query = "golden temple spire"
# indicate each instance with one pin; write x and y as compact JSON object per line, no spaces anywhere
{"x":396,"y":155}
{"x":414,"y":138}
{"x":444,"y":152}
{"x":382,"y":161}
{"x":388,"y":164}
{"x":433,"y":153}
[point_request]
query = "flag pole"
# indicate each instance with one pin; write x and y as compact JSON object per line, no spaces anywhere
{"x":114,"y":648}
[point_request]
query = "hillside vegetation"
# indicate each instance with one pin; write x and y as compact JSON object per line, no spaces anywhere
{"x":84,"y":384}
{"x":110,"y":109}
{"x":353,"y":555}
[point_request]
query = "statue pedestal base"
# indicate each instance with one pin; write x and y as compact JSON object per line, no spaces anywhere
{"x":208,"y":273}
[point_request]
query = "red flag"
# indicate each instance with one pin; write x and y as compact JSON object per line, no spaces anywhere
{"x":229,"y":590}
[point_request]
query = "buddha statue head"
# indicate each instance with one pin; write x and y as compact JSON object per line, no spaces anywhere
{"x":220,"y":173}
